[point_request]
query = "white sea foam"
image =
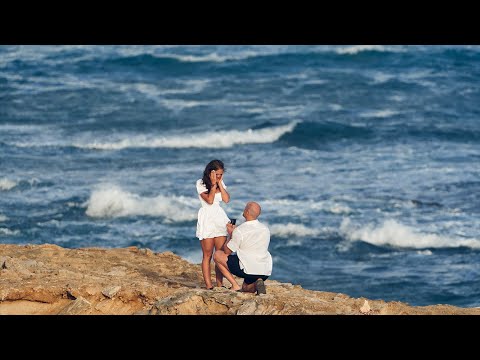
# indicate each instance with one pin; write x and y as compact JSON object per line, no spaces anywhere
{"x":414,"y":76}
{"x":245,"y":53}
{"x":28,"y":144}
{"x":394,"y":234}
{"x":286,"y":207}
{"x":420,"y":77}
{"x":339,"y":209}
{"x":6,"y":184}
{"x":16,"y":129}
{"x":112,"y":201}
{"x":335,"y":107}
{"x":156,"y":93}
{"x":290,"y":229}
{"x":179,"y":104}
{"x":213,"y":57}
{"x":218,"y":139}
{"x":254,"y":110}
{"x":397,"y":98}
{"x":3,"y":218}
{"x":378,"y":113}
{"x":424,"y":252}
{"x":54,"y":222}
{"x":381,"y":77}
{"x":216,"y":55}
{"x":5,"y":231}
{"x":352,"y":50}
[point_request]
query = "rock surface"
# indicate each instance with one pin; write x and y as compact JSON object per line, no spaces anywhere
{"x":48,"y":279}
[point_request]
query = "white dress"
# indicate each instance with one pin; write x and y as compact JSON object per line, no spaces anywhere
{"x":212,"y":219}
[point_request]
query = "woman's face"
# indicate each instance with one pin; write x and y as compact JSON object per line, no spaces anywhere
{"x":219,"y":174}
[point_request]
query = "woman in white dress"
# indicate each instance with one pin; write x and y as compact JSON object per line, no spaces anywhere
{"x":212,"y":219}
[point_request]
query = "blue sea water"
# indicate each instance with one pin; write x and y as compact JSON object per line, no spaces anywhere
{"x":365,"y":159}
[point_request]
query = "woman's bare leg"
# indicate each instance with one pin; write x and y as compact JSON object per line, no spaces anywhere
{"x":219,"y":241}
{"x":207,"y":250}
{"x":220,"y":259}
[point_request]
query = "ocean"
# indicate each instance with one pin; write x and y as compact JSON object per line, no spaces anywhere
{"x":365,"y":159}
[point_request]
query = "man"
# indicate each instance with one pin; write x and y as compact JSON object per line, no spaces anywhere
{"x":245,"y":254}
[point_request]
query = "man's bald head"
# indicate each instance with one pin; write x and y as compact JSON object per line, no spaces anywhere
{"x":253,"y":210}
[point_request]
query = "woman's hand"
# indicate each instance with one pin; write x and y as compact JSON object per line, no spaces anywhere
{"x":219,"y":181}
{"x":213,"y":177}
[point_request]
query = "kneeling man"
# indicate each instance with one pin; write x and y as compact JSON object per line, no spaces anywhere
{"x":245,"y":253}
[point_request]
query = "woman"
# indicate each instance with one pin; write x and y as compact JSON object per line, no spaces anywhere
{"x":212,"y":219}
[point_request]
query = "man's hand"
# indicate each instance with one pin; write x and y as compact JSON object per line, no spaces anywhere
{"x":230,"y":228}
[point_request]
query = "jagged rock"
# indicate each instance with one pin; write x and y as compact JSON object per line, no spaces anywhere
{"x":3,"y":294}
{"x":142,"y":312}
{"x":77,"y":307}
{"x":188,"y":303}
{"x":248,"y":308}
{"x":365,"y":308}
{"x":340,"y":297}
{"x":3,"y":262}
{"x":48,"y":279}
{"x":111,"y":291}
{"x":30,"y":263}
{"x":15,"y":265}
{"x":118,"y":271}
{"x":146,"y":252}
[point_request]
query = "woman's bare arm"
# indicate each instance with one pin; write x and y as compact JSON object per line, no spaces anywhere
{"x":210,"y":196}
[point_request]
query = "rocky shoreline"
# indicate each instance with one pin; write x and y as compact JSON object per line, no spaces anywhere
{"x":49,"y":279}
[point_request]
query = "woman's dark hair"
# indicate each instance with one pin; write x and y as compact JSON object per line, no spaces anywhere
{"x":212,"y":165}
